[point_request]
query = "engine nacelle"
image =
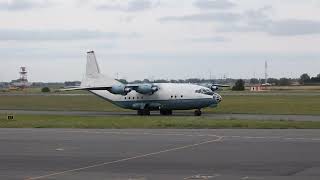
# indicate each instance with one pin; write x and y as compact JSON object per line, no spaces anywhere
{"x":147,"y":89}
{"x":120,"y":89}
{"x":214,"y":88}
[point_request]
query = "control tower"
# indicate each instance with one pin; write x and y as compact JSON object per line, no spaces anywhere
{"x":22,"y":82}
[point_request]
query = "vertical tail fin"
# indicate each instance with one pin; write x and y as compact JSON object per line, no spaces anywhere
{"x":92,"y":65}
{"x":93,"y":77}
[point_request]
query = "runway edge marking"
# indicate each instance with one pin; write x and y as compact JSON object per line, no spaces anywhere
{"x":219,"y":138}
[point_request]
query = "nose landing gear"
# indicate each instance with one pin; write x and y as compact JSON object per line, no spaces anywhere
{"x":197,"y":112}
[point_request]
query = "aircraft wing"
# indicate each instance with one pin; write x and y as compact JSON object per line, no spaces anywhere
{"x":86,"y":88}
{"x":122,"y":89}
{"x":214,"y":87}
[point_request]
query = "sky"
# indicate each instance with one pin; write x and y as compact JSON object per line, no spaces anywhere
{"x":159,"y":39}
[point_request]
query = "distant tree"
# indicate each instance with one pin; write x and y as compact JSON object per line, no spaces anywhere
{"x":239,"y":85}
{"x":137,"y":82}
{"x":315,"y":79}
{"x":274,"y":81}
{"x":285,"y":82}
{"x":45,"y":90}
{"x":304,"y":78}
{"x":146,"y":81}
{"x":72,"y":83}
{"x":193,"y":80}
{"x":254,"y":81}
{"x":161,"y":81}
{"x":173,"y":81}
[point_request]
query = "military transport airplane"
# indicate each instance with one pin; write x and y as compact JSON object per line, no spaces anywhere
{"x":147,"y":97}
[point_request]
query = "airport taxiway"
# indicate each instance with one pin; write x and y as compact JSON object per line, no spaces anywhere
{"x":138,"y":154}
{"x":213,"y":116}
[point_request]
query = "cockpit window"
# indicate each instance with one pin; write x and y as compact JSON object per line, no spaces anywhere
{"x":205,"y":91}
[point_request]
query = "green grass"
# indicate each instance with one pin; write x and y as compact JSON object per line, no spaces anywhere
{"x":81,"y":103}
{"x":269,"y":104}
{"x":256,"y":104}
{"x":50,"y":121}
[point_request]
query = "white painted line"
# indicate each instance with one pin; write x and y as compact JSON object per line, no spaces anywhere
{"x":251,"y":137}
{"x":199,"y":176}
{"x":251,"y":178}
{"x":219,"y":138}
{"x":146,"y":133}
{"x":193,"y":135}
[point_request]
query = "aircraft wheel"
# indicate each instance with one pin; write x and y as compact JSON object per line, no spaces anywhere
{"x":197,"y":112}
{"x":146,"y":112}
{"x":166,"y":112}
{"x":139,"y":113}
{"x":143,"y":112}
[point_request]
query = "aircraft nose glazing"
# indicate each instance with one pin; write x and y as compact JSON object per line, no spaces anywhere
{"x":217,"y":97}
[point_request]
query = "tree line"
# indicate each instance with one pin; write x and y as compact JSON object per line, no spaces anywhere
{"x":306,"y":79}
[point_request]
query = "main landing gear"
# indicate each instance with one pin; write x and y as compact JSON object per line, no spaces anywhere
{"x":146,"y":112}
{"x":165,"y":112}
{"x":143,"y":112}
{"x":197,"y":112}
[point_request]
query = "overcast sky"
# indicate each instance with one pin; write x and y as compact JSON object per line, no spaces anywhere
{"x":159,"y":39}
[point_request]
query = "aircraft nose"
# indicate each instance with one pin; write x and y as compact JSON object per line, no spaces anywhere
{"x":217,"y":97}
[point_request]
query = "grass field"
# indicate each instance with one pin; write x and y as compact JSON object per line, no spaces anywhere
{"x":256,"y":104}
{"x":269,"y":104}
{"x":50,"y":121}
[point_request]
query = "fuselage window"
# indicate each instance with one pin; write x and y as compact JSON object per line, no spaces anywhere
{"x":137,"y":97}
{"x":171,"y":97}
{"x":142,"y":97}
{"x":175,"y":97}
{"x":132,"y":97}
{"x":125,"y":97}
{"x":129,"y":97}
{"x":181,"y":96}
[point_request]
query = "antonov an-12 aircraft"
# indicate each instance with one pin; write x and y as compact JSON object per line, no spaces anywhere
{"x":147,"y":97}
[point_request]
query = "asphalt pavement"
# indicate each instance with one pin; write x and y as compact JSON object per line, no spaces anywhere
{"x":139,"y":154}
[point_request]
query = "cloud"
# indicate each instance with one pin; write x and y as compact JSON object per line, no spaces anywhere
{"x":128,"y":5}
{"x":213,"y":4}
{"x":59,"y":35}
{"x":258,"y":20}
{"x":288,"y":27}
{"x":215,"y":39}
{"x":204,"y":17}
{"x":293,"y":27}
{"x":16,"y":5}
